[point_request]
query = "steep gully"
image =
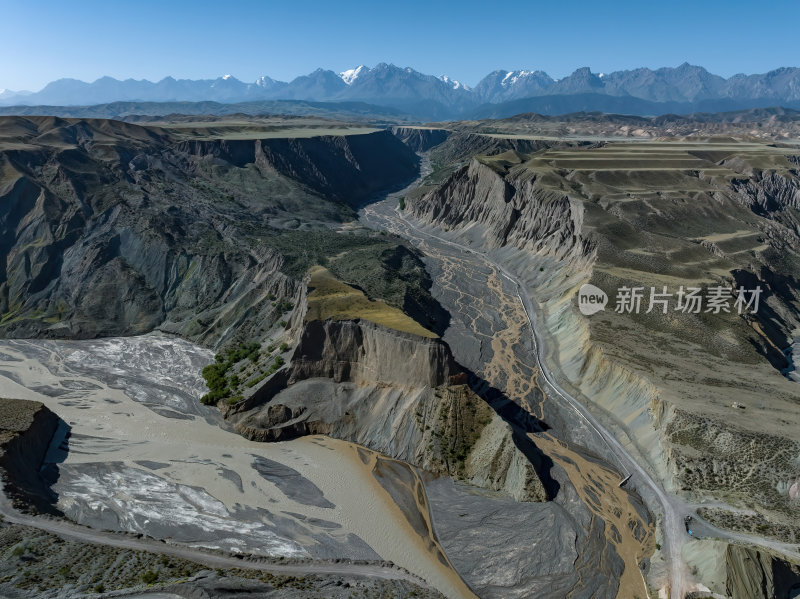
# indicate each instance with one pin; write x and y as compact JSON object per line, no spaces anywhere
{"x":386,"y":215}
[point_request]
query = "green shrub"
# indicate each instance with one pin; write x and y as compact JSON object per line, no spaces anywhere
{"x":255,"y":381}
{"x":215,"y":375}
{"x":149,"y":577}
{"x":245,"y":350}
{"x":284,"y":306}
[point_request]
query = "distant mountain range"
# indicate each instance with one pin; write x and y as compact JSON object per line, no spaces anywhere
{"x":501,"y":93}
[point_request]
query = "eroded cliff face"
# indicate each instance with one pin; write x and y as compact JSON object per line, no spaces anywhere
{"x":109,"y":228}
{"x":26,"y":430}
{"x":508,"y":212}
{"x":346,"y":168}
{"x":362,"y":352}
{"x":420,"y":139}
{"x":768,"y":192}
{"x":396,"y":393}
{"x":754,"y":574}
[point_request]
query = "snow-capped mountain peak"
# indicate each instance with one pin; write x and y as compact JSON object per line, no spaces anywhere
{"x":452,"y":82}
{"x":513,"y":76}
{"x":268,"y":83}
{"x":351,"y":75}
{"x":226,"y":77}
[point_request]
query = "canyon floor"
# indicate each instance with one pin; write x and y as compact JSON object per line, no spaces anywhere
{"x":142,"y":455}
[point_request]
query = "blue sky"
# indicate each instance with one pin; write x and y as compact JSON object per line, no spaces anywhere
{"x":46,"y":39}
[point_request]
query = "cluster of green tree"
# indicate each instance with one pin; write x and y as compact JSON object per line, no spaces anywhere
{"x":220,"y":385}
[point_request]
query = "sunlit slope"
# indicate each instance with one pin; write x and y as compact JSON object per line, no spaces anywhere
{"x":330,"y":298}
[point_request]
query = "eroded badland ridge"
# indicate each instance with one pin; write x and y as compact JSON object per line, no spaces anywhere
{"x":413,"y":349}
{"x":659,"y":214}
{"x":655,"y":214}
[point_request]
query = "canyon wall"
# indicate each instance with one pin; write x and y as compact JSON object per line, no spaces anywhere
{"x":110,"y":228}
{"x":395,"y":393}
{"x":26,"y":430}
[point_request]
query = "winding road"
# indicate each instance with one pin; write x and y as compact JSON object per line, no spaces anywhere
{"x":672,"y":508}
{"x":82,"y":534}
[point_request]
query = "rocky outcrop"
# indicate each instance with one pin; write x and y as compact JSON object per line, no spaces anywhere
{"x":759,"y":574}
{"x":26,"y":430}
{"x":362,"y":352}
{"x":420,"y":139}
{"x":509,"y":211}
{"x":766,"y":192}
{"x":496,"y":462}
{"x":393,"y":392}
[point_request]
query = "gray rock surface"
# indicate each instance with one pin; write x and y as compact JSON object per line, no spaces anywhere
{"x":758,"y":574}
{"x":510,"y":549}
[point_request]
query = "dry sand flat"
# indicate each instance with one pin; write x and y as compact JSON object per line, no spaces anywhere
{"x":178,"y":474}
{"x":403,"y":492}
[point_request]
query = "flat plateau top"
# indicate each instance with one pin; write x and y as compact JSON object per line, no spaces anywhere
{"x":16,"y":415}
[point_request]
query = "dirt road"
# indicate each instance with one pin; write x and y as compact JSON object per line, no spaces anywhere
{"x":83,"y":534}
